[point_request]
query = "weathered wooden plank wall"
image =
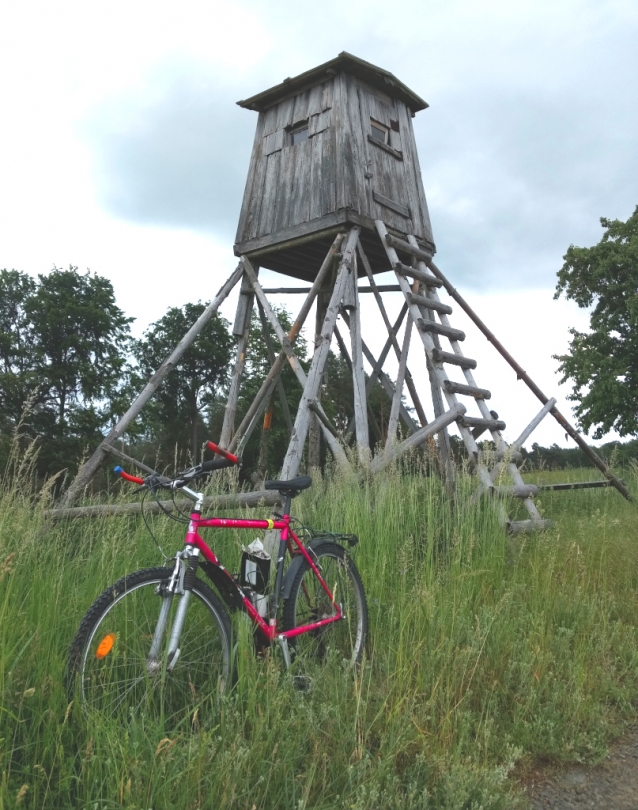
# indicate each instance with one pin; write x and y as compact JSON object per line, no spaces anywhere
{"x":339,"y":167}
{"x":290,"y":184}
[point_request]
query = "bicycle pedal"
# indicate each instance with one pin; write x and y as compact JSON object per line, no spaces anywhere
{"x":303,"y":683}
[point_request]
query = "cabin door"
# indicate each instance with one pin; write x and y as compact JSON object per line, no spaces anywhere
{"x":384,"y":169}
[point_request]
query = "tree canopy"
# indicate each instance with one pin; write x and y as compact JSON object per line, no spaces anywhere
{"x":63,"y":347}
{"x":178,"y":413}
{"x":603,"y":363}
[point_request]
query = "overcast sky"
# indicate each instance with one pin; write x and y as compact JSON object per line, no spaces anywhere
{"x":122,"y":149}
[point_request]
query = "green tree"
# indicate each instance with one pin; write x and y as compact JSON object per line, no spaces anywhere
{"x":17,"y":354}
{"x":603,"y":363}
{"x":81,"y":338}
{"x":267,"y":446}
{"x":338,"y":399}
{"x":64,"y":339}
{"x":189,"y":395}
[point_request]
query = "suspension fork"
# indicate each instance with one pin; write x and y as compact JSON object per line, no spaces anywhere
{"x":180,"y":616}
{"x":181,"y":581}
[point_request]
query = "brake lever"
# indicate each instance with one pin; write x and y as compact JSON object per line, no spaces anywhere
{"x":156,"y":481}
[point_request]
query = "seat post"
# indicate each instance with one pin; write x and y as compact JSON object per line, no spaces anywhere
{"x":287,"y":500}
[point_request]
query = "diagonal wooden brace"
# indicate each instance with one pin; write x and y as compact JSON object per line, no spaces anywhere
{"x":249,"y":422}
{"x":288,"y":349}
{"x":90,"y":467}
{"x":302,"y":420}
{"x":417,"y":438}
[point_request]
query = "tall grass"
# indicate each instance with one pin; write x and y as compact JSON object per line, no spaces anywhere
{"x":484,"y":653}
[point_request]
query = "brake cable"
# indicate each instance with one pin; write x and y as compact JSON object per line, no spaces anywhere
{"x":150,"y":531}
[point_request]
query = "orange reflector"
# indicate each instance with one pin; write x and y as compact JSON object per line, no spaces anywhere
{"x":105,"y":646}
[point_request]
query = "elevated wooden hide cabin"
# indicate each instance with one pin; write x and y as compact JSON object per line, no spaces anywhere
{"x":334,"y":147}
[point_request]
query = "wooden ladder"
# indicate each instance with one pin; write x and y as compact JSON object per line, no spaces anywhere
{"x":430,"y":315}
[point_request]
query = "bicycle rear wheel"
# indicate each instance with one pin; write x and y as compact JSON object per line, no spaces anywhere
{"x":108,"y":659}
{"x":308,"y":602}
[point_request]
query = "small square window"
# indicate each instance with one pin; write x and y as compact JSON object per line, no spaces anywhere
{"x":379,"y":132}
{"x":299,"y":135}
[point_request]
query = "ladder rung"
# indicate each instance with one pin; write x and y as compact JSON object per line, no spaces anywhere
{"x":517,"y":491}
{"x":479,"y":431}
{"x":405,"y":270}
{"x":524,"y":526}
{"x":406,"y":247}
{"x":486,"y":424}
{"x":453,"y":359}
{"x":467,"y":390}
{"x":428,"y":303}
{"x":438,"y":329}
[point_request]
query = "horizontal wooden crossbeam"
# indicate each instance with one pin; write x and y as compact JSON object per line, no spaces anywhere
{"x":306,"y":290}
{"x":215,"y":502}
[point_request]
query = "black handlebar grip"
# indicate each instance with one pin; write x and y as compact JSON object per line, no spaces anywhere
{"x":216,"y":464}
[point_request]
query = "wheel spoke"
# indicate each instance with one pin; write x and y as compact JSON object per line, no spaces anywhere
{"x":119,"y":682}
{"x":308,"y":603}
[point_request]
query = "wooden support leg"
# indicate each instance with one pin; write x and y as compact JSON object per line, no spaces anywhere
{"x":547,"y":407}
{"x":242,"y":330}
{"x":286,"y":345}
{"x":264,"y":444}
{"x":300,"y":430}
{"x":392,"y":332}
{"x":273,"y":359}
{"x":378,"y":366}
{"x":385,"y":382}
{"x":371,"y":418}
{"x":90,"y":467}
{"x":358,"y":375}
{"x":378,"y":375}
{"x":314,"y":431}
{"x":245,"y":429}
{"x":393,"y":422}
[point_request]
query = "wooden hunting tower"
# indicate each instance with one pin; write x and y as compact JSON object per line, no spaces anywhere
{"x":334,"y":146}
{"x":334,"y":193}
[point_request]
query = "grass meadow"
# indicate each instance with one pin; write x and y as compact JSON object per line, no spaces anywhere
{"x":485,"y":654}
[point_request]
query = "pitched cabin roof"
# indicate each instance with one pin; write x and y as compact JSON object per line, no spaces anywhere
{"x":346,"y":62}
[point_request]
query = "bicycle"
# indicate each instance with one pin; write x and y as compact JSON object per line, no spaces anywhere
{"x":147,"y":646}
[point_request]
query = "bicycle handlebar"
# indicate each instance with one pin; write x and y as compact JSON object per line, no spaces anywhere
{"x":155,"y":481}
{"x":221,"y":452}
{"x":132,"y":478}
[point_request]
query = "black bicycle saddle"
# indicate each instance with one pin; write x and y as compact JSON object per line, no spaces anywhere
{"x":293,"y":487}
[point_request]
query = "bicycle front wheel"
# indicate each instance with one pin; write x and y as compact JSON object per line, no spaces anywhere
{"x":308,"y":602}
{"x":109,"y":658}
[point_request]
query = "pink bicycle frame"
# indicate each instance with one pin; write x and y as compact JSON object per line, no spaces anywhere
{"x":193,"y":538}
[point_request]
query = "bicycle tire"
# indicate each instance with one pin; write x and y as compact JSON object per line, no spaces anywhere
{"x":308,"y":602}
{"x":119,"y":683}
